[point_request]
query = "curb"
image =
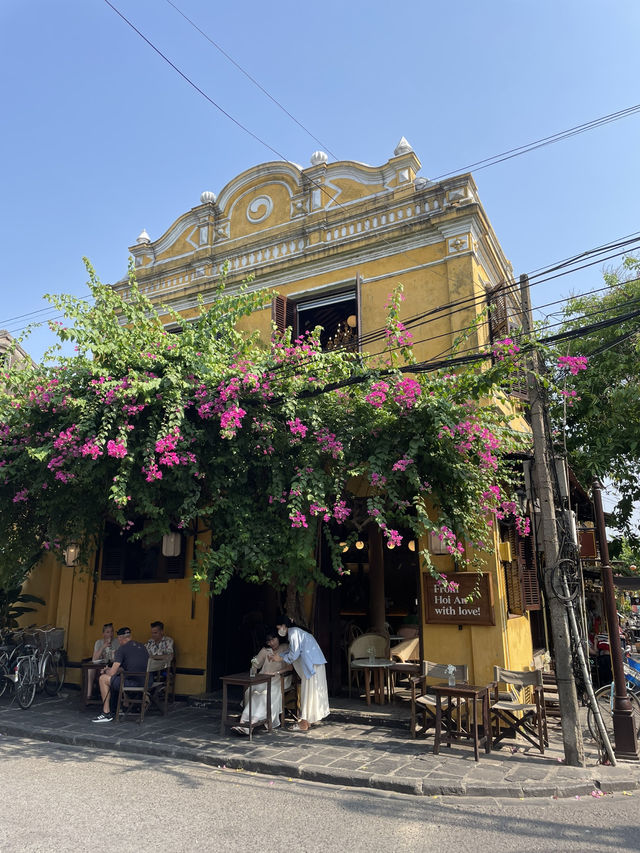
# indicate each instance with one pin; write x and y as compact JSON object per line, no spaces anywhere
{"x":427,"y":787}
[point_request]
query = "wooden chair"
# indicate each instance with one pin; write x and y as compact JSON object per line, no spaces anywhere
{"x":423,"y":702}
{"x":515,"y":712}
{"x":153,"y":692}
{"x":290,"y":695}
{"x":359,"y":650}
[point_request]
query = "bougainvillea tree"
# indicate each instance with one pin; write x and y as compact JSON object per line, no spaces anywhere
{"x":263,"y":443}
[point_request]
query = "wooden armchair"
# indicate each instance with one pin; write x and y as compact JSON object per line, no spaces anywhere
{"x":423,"y":702}
{"x":154,"y":691}
{"x":514,"y":712}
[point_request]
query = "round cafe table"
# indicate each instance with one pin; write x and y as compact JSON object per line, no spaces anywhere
{"x":379,"y":667}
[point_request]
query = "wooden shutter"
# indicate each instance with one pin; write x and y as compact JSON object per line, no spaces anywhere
{"x":498,"y":318}
{"x":530,"y":586}
{"x":513,"y":576}
{"x":113,"y":554}
{"x":284,"y":313}
{"x":279,"y":314}
{"x":175,"y":566}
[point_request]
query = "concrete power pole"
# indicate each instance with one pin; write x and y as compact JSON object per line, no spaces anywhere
{"x":567,"y":696}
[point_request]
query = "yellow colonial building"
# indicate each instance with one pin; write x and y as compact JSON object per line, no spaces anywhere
{"x":331,"y":240}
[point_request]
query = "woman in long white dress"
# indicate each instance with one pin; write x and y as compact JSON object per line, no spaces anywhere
{"x":306,"y":656}
{"x":265,"y":663}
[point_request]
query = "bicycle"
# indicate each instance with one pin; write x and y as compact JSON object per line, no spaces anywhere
{"x":605,"y":697}
{"x":12,"y":644}
{"x":39,"y":666}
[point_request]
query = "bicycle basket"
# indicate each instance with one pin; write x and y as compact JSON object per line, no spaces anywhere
{"x":49,"y":638}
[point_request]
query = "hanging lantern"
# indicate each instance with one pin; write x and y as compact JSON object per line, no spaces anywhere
{"x":436,"y":544}
{"x":71,"y":554}
{"x":171,"y":543}
{"x":411,"y":544}
{"x":359,"y":544}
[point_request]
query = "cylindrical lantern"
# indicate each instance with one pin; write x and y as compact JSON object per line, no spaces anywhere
{"x":171,"y":544}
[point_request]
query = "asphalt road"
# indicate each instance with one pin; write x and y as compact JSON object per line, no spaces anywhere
{"x":58,"y":798}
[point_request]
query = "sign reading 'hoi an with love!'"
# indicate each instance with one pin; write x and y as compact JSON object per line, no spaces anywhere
{"x":470,"y":604}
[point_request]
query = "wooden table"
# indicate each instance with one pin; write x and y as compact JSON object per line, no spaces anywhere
{"x":459,"y":694}
{"x":379,"y":667}
{"x":244,"y":680}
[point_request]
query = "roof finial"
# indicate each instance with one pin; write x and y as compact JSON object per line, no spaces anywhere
{"x":403,"y":147}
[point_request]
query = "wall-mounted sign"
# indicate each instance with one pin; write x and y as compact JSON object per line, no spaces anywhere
{"x":452,"y":608}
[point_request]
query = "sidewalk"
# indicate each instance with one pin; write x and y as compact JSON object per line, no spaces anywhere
{"x":355,"y":746}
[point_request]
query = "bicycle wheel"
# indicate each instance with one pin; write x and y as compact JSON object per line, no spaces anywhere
{"x":50,"y":676}
{"x":25,"y":686}
{"x":605,"y":704}
{"x":4,"y":677}
{"x":564,"y":581}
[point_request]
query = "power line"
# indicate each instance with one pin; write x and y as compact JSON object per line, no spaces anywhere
{"x":252,"y":79}
{"x":431,"y":365}
{"x":541,"y":143}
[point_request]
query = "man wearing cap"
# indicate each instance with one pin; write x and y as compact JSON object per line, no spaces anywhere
{"x":130,"y":657}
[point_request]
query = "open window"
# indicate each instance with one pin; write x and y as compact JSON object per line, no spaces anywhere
{"x":337,"y":312}
{"x":136,"y":561}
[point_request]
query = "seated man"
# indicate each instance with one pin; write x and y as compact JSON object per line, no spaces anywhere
{"x":159,"y":644}
{"x":130,"y":657}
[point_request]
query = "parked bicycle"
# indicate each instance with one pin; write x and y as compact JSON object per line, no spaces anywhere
{"x":39,"y":664}
{"x":605,"y":697}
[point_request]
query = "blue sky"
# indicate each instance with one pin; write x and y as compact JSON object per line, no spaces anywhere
{"x":102,"y":138}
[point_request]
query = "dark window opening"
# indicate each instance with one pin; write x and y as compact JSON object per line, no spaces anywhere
{"x":137,"y":561}
{"x":338,"y":316}
{"x":337,"y":313}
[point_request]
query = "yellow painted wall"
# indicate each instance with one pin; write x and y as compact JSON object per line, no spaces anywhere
{"x":68,"y":593}
{"x":506,"y":644}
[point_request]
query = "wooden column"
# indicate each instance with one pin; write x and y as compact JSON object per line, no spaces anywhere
{"x":377,"y":612}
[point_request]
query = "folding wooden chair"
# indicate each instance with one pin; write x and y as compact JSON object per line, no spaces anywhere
{"x":515,"y":712}
{"x":423,"y":702}
{"x":153,"y":692}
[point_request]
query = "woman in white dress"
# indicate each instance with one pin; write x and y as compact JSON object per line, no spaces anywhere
{"x":265,"y":663}
{"x":306,"y":656}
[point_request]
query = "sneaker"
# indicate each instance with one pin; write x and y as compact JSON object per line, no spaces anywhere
{"x":103,"y":718}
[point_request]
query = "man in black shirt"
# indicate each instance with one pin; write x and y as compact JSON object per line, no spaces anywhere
{"x":130,"y":657}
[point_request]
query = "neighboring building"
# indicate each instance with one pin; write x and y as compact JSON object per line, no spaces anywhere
{"x":11,"y":353}
{"x":333,"y":240}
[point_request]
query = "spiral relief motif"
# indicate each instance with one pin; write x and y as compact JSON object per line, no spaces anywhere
{"x":259,"y":208}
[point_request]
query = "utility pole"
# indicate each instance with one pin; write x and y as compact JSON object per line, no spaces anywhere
{"x":567,"y":696}
{"x":624,"y":732}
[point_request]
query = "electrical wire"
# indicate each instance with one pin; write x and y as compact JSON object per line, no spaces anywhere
{"x":541,"y":143}
{"x":252,"y":79}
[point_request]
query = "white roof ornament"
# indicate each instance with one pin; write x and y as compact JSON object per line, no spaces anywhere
{"x":207,"y":197}
{"x":403,"y":147}
{"x":318,"y":157}
{"x":143,"y":237}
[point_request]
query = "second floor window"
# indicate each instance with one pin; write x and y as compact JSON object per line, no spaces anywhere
{"x":338,"y":313}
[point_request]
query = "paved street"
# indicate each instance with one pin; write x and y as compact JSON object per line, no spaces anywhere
{"x":350,"y":748}
{"x":69,"y":799}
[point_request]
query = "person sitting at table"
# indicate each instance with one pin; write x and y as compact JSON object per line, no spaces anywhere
{"x":306,"y":656}
{"x":159,"y":643}
{"x":264,"y":663}
{"x":130,"y":657}
{"x":104,"y":650}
